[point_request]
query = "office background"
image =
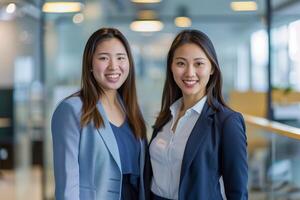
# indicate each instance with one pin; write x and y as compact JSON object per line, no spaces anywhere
{"x":40,"y":63}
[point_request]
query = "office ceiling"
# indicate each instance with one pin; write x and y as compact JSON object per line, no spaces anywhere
{"x":215,"y":17}
{"x":195,"y":8}
{"x":210,"y":13}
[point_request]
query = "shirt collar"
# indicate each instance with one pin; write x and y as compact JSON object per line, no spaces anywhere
{"x":175,"y":107}
{"x":197,"y":107}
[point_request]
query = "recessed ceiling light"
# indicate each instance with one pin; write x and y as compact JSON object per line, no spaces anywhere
{"x":78,"y":18}
{"x":146,"y":25}
{"x":62,"y":7}
{"x":11,"y":8}
{"x":243,"y":6}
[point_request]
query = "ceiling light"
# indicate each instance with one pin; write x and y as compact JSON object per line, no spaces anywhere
{"x":182,"y":19}
{"x":183,"y":22}
{"x":145,"y":1}
{"x":243,"y":6}
{"x":78,"y":18}
{"x":11,"y":8}
{"x":146,"y":25}
{"x":62,"y":7}
{"x":146,"y":22}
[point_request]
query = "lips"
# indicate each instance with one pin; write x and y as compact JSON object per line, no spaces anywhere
{"x":113,"y":77}
{"x":190,"y":83}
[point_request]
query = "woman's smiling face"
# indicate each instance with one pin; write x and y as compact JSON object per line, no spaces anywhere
{"x":191,"y":70}
{"x":110,"y":64}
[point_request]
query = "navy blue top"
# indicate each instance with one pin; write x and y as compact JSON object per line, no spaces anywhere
{"x":129,"y":148}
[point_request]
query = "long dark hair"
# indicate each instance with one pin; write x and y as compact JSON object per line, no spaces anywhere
{"x":90,"y":91}
{"x":172,"y":92}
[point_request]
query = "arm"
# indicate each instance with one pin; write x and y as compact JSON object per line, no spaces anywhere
{"x":234,"y":158}
{"x":65,"y":133}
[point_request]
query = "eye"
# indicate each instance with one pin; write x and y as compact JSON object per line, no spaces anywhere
{"x":180,"y":64}
{"x":121,"y":58}
{"x":199,"y":64}
{"x":103,"y":58}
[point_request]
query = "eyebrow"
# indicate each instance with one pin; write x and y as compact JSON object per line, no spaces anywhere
{"x":121,"y":54}
{"x":200,"y":58}
{"x":104,"y":53}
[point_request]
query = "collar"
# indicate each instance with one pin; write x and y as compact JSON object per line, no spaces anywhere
{"x":174,"y":108}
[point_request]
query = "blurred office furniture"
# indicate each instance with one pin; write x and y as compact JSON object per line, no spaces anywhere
{"x":7,"y":132}
{"x":255,"y":103}
{"x":6,"y":129}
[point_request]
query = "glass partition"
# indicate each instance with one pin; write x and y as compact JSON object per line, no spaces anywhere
{"x":273,"y":165}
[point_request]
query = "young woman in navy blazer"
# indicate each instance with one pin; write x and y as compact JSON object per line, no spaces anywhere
{"x":198,"y":142}
{"x":99,"y":132}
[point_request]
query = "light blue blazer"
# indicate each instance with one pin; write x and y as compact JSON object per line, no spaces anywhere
{"x":87,"y":164}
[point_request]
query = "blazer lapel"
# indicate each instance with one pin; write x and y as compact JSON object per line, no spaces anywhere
{"x":108,"y":136}
{"x":200,"y":131}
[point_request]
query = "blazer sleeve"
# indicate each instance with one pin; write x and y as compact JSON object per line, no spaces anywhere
{"x":66,"y":135}
{"x":234,"y":158}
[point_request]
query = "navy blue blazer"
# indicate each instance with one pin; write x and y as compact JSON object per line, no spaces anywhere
{"x":217,"y":147}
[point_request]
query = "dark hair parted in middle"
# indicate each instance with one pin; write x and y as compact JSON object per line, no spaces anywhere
{"x":91,"y":91}
{"x":172,"y":92}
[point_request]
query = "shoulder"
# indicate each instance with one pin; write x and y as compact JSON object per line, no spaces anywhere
{"x":65,"y":121}
{"x":231,"y":127}
{"x":68,"y":106}
{"x":74,"y":103}
{"x":226,"y":115}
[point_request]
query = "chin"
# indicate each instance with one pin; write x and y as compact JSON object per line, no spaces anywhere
{"x":112,"y":87}
{"x":191,"y":93}
{"x":188,"y":93}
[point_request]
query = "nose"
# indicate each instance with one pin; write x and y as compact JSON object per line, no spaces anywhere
{"x":190,"y":71}
{"x":113,"y":64}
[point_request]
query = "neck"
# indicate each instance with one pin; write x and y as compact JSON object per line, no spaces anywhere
{"x":109,"y":98}
{"x":190,"y":101}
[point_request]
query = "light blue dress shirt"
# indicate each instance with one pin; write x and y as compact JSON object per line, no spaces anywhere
{"x":167,"y":149}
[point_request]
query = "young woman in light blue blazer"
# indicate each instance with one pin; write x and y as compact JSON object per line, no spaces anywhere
{"x":99,"y":133}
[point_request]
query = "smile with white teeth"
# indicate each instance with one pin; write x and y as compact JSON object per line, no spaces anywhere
{"x":113,"y":76}
{"x":190,"y":82}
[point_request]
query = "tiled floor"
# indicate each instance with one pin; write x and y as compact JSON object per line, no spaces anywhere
{"x":20,"y":185}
